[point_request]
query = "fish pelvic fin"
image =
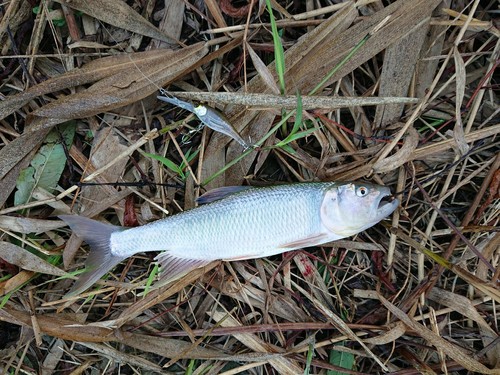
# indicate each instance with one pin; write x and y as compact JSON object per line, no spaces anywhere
{"x":100,"y":260}
{"x":172,"y":267}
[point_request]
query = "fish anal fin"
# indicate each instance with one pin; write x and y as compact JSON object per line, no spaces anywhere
{"x":220,"y":193}
{"x":171,"y":266}
{"x":313,"y":240}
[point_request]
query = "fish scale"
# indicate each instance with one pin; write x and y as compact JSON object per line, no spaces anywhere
{"x":241,"y":224}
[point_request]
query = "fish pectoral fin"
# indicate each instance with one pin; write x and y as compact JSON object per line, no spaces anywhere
{"x":171,"y":266}
{"x":312,"y":240}
{"x":220,"y":193}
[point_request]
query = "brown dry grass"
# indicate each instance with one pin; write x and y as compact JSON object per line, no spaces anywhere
{"x":418,"y":295}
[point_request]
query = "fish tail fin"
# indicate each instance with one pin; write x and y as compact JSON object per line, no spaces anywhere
{"x":101,"y":259}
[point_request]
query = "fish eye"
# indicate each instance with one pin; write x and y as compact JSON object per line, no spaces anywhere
{"x":361,"y":191}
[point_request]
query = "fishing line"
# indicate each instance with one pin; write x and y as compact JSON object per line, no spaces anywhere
{"x":141,"y":183}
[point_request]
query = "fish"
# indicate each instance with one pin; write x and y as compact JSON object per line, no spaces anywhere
{"x":210,"y":117}
{"x":236,"y":223}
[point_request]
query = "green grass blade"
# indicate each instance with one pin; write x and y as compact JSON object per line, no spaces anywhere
{"x":295,"y":134}
{"x":279,"y":53}
{"x":298,"y":116}
{"x":189,"y":156}
{"x":151,"y":278}
{"x":168,"y":163}
{"x":247,"y":152}
{"x":310,"y":355}
{"x":340,"y":64}
{"x":294,"y":137}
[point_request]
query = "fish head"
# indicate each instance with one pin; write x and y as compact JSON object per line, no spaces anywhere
{"x":350,"y":208}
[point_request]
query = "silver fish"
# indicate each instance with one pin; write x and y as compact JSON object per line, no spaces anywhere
{"x":210,"y":117}
{"x":238,"y":223}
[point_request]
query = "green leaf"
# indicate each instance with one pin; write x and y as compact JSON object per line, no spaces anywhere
{"x":310,"y":355}
{"x":59,"y":22}
{"x":168,"y":163}
{"x":151,"y":278}
{"x":189,"y":155}
{"x":288,"y":149}
{"x":279,"y":53}
{"x":301,"y":134}
{"x":27,"y":260}
{"x":7,"y":296}
{"x":25,"y":184}
{"x":47,"y":165}
{"x":298,"y":116}
{"x":296,"y":124}
{"x":341,"y":359}
{"x":295,"y":134}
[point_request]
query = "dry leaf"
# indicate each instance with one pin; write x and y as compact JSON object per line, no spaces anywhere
{"x":53,"y":357}
{"x":402,"y":156}
{"x":458,"y":129}
{"x":392,"y":335}
{"x":282,"y":364}
{"x":459,"y":304}
{"x":91,"y":72}
{"x":27,"y":260}
{"x":453,"y":351}
{"x":123,"y":357}
{"x":263,"y":70}
{"x":400,"y":60}
{"x":119,"y":14}
{"x":15,"y":282}
{"x":126,"y":86}
{"x":26,"y":225}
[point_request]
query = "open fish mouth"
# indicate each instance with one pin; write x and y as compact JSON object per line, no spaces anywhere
{"x":387,"y":203}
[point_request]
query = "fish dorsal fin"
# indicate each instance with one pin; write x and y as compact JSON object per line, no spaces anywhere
{"x":312,"y":240}
{"x":171,"y":267}
{"x":221,"y":193}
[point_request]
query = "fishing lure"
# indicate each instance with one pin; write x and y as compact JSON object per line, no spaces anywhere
{"x":208,"y":116}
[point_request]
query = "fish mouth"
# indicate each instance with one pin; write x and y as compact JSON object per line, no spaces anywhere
{"x":386,"y":204}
